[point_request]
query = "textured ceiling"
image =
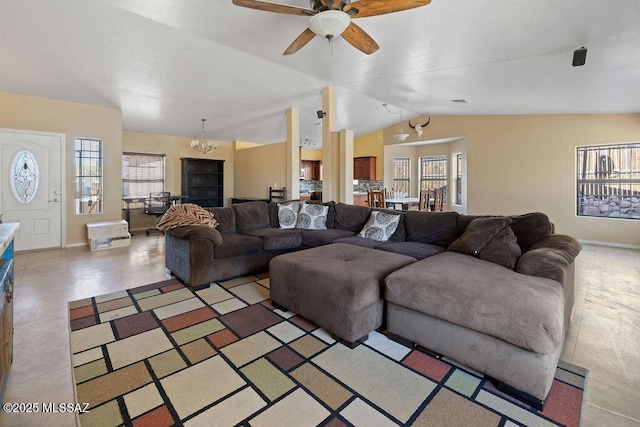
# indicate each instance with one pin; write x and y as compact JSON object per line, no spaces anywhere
{"x":168,"y":63}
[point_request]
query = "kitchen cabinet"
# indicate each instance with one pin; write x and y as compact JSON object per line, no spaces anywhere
{"x":310,"y":170}
{"x":364,"y":168}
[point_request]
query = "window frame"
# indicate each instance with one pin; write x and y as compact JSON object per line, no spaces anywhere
{"x":404,"y":180}
{"x":89,"y":150}
{"x":146,"y":184}
{"x":439,"y":180}
{"x":607,"y":178}
{"x":458,"y":178}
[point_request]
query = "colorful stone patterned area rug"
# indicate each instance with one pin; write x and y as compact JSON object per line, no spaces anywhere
{"x":163,"y":355}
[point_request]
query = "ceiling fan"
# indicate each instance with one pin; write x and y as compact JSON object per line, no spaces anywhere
{"x":331,"y":18}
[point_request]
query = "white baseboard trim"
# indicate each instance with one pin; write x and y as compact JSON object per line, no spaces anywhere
{"x":75,"y":245}
{"x":615,"y":245}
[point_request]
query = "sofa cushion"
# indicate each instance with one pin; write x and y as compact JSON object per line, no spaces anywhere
{"x":351,"y":217}
{"x":312,"y":216}
{"x":313,"y":238}
{"x":523,"y":310}
{"x":234,"y":245}
{"x":251,"y":216}
{"x":380,"y":226}
{"x":288,"y":214}
{"x":226,"y":218}
{"x":274,"y":239}
{"x":436,"y":228}
{"x":490,"y":239}
{"x":530,"y":228}
{"x":478,"y":234}
{"x":400,"y":235}
{"x":412,"y":249}
{"x":273,"y":213}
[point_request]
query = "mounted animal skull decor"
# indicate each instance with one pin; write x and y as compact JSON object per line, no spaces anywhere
{"x":418,"y":128}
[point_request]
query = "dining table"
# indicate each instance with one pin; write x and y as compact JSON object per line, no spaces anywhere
{"x":405,"y":202}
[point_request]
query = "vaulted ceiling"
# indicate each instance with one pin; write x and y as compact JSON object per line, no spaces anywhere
{"x":168,"y":63}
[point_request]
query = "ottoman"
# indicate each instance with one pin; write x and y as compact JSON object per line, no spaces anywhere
{"x":338,"y":287}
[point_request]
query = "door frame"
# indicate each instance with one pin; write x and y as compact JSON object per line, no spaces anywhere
{"x":63,"y":180}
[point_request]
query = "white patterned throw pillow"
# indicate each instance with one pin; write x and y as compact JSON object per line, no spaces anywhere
{"x":380,"y":226}
{"x":288,"y":213}
{"x":312,"y":216}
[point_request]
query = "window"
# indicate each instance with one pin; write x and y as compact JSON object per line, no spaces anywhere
{"x":401,"y":176}
{"x":608,"y":181}
{"x":142,"y":174}
{"x":458,"y":178}
{"x":88,"y":176}
{"x":433,"y":173}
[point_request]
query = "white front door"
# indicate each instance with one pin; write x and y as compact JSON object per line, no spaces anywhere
{"x":31,"y":186}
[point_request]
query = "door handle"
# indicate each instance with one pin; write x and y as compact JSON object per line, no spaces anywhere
{"x":54,"y":200}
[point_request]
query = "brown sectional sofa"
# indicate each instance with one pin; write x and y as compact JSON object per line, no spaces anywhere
{"x":508,"y":322}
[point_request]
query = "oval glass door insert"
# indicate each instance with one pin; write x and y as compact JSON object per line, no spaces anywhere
{"x":24,"y":177}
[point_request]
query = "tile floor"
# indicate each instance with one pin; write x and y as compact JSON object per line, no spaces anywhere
{"x":604,"y":335}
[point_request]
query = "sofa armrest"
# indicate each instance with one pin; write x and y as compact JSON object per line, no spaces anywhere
{"x":197,"y":232}
{"x":549,"y":257}
{"x":189,"y":258}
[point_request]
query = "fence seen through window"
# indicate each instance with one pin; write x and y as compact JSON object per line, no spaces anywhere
{"x":608,"y":181}
{"x":88,"y":178}
{"x":433,"y":173}
{"x":401,"y":176}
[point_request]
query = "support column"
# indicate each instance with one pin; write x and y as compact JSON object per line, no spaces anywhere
{"x":292,"y":149}
{"x":330,"y":154}
{"x":346,"y":166}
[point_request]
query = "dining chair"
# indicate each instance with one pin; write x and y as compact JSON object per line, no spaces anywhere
{"x":438,"y":199}
{"x":375,"y":198}
{"x":277,"y":194}
{"x":157,"y":204}
{"x":424,"y":200}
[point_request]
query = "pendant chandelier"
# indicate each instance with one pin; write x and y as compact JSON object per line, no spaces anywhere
{"x":203,"y":144}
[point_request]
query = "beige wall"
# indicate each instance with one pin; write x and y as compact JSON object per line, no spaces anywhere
{"x":310,"y":154}
{"x":175,"y":148}
{"x":371,"y":145}
{"x":74,"y":120}
{"x":520,"y":164}
{"x":259,"y":168}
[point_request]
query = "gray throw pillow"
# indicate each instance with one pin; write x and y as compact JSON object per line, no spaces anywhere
{"x":380,"y":226}
{"x":312,"y":216}
{"x":490,"y":239}
{"x":288,"y":214}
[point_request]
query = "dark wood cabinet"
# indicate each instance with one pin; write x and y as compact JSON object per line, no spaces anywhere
{"x":203,"y":181}
{"x":364,"y":168}
{"x":311,"y":169}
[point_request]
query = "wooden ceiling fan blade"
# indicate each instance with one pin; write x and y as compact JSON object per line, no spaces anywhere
{"x":274,"y":7}
{"x":364,"y":8}
{"x":300,"y":42}
{"x":359,"y":39}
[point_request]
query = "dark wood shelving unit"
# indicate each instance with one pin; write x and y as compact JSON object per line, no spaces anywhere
{"x":203,"y":182}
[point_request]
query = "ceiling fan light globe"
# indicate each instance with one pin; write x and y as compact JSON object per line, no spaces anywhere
{"x":330,"y":23}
